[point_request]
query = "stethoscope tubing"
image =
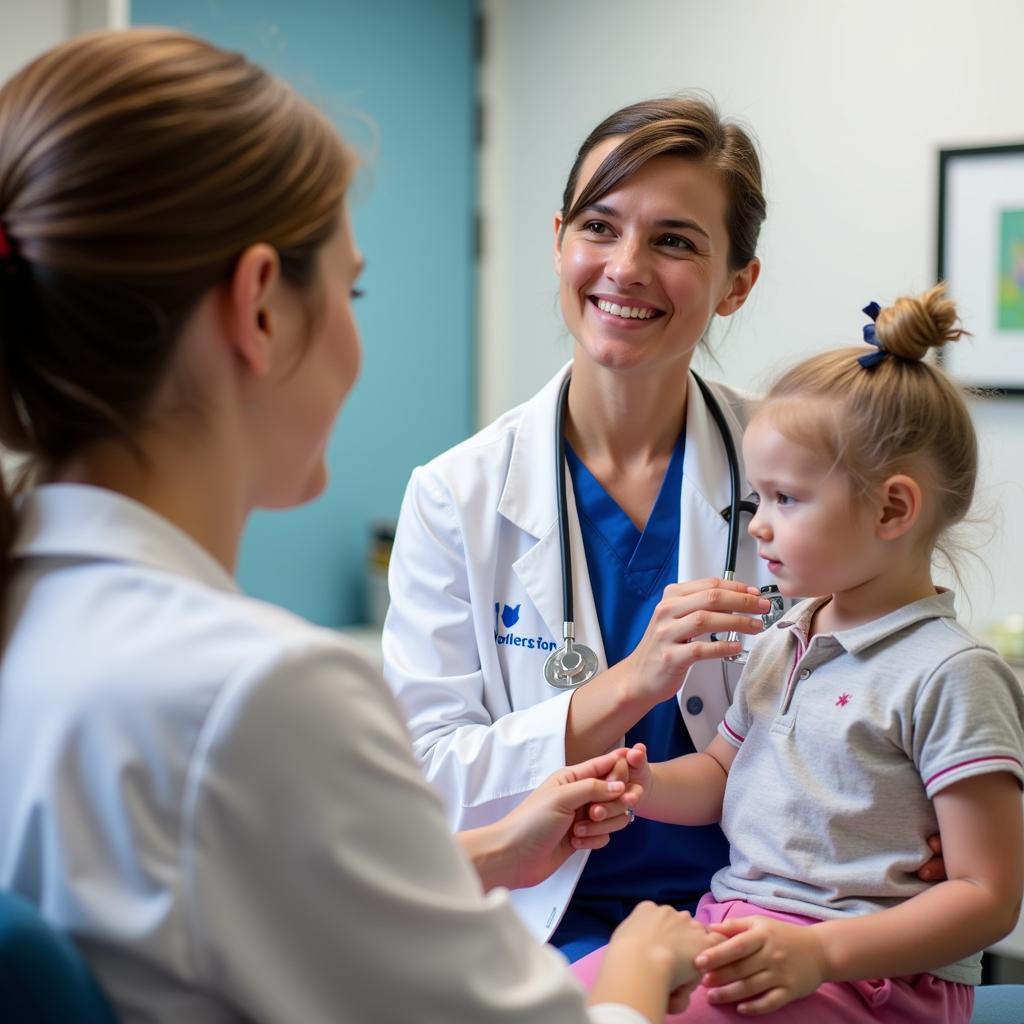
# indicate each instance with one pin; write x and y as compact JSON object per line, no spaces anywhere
{"x":563,"y":505}
{"x":733,"y":545}
{"x":574,"y":664}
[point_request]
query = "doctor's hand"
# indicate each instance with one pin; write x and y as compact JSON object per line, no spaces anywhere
{"x":655,"y":946}
{"x":537,"y":837}
{"x":933,"y":870}
{"x":677,"y":635}
{"x":762,"y":964}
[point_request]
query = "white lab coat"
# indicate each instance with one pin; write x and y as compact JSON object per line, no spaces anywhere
{"x":217,"y":800}
{"x":477,"y":535}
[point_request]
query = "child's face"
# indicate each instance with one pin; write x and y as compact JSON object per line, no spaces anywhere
{"x":816,"y":537}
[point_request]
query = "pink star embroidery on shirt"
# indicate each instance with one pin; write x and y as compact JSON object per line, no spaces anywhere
{"x":843,"y":699}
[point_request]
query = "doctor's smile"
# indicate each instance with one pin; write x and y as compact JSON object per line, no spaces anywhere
{"x":625,"y":309}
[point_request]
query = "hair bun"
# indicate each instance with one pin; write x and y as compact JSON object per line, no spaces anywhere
{"x":914,"y":324}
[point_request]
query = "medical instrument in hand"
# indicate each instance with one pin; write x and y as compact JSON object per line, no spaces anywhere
{"x":770,"y":617}
{"x":574,"y":664}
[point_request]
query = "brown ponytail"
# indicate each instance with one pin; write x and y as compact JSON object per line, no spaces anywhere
{"x":135,"y":167}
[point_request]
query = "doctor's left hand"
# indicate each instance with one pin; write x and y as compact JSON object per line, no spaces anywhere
{"x":539,"y":833}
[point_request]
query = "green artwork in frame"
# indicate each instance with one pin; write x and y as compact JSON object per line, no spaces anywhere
{"x":981,"y":259}
{"x":1011,"y":270}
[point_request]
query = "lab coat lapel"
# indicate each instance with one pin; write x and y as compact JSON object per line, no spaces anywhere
{"x":530,"y":502}
{"x":704,"y":532}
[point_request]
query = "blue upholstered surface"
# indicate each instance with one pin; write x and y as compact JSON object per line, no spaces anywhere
{"x":43,"y":978}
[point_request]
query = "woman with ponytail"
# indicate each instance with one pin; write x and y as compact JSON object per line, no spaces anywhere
{"x":214,"y":798}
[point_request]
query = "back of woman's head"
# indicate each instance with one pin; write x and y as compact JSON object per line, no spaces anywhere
{"x":685,"y":126}
{"x":896,"y":414}
{"x":135,"y":167}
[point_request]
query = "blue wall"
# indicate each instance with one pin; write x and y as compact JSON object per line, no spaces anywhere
{"x":408,"y":65}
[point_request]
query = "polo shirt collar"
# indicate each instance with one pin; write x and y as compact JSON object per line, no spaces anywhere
{"x":79,"y":521}
{"x":859,"y":638}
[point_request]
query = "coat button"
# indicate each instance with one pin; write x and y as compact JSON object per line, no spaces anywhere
{"x":695,"y":705}
{"x":806,"y":674}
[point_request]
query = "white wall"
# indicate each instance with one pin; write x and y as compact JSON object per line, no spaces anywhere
{"x":850,"y":102}
{"x":28,"y":28}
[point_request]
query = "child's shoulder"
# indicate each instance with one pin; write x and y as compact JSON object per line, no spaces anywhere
{"x":945,"y":637}
{"x":954,"y":650}
{"x":939,"y":637}
{"x":924,"y":633}
{"x":951,"y":663}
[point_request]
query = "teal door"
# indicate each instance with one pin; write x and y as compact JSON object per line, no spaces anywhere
{"x":398,"y":78}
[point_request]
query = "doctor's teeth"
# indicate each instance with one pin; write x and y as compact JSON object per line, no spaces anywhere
{"x":626,"y":312}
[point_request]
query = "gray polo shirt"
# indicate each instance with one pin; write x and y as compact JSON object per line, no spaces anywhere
{"x":842,"y":742}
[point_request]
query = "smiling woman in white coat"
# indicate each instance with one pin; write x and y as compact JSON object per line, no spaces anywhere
{"x":655,"y":238}
{"x":214,"y":798}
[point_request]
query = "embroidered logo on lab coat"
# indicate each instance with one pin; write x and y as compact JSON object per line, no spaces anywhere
{"x":505,"y":617}
{"x":509,"y":616}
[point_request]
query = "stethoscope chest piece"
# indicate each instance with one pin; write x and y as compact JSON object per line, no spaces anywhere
{"x":570,"y":666}
{"x":777,"y":610}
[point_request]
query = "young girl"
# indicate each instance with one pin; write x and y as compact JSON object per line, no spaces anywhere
{"x":866,"y":719}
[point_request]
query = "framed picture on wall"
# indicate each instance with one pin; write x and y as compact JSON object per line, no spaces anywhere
{"x":981,"y":256}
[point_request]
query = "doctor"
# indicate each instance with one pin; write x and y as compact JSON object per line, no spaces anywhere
{"x":655,"y":238}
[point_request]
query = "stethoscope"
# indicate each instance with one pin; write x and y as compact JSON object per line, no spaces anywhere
{"x":574,"y":664}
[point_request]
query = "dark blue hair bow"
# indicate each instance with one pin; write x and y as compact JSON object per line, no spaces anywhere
{"x":872,"y":358}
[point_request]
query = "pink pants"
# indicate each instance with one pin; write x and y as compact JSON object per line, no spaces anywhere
{"x":915,"y":999}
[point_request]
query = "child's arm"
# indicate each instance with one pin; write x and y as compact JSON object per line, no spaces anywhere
{"x":980,"y":821}
{"x":687,"y":790}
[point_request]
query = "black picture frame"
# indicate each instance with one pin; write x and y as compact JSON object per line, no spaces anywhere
{"x":981,"y":257}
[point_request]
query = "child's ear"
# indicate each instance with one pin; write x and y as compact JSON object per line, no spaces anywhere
{"x":900,"y":506}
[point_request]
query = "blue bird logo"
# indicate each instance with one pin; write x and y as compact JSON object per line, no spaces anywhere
{"x":510,"y":616}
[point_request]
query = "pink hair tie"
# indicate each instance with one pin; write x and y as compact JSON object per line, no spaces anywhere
{"x":5,"y":245}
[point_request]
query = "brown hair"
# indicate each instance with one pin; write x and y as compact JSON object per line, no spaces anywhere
{"x":135,"y":167}
{"x":899,"y":415}
{"x":688,"y":127}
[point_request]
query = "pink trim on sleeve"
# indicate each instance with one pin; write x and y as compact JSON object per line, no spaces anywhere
{"x":974,"y":760}
{"x":732,"y":732}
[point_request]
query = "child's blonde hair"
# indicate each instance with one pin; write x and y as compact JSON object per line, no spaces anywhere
{"x":899,"y":415}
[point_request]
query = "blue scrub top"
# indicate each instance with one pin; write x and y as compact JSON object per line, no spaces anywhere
{"x":648,"y":860}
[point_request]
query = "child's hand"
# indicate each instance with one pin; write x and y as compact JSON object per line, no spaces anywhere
{"x":632,"y":769}
{"x":772,"y":960}
{"x":635,"y":771}
{"x":640,"y":774}
{"x":597,"y":820}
